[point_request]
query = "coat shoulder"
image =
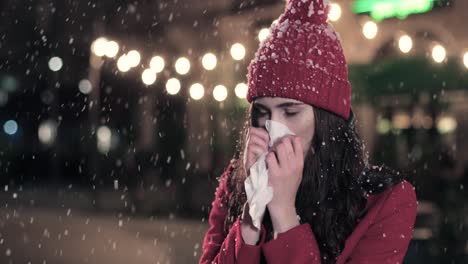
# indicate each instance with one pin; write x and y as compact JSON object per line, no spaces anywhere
{"x":401,"y":194}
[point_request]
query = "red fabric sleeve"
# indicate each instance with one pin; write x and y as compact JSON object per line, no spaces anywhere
{"x":221,"y":248}
{"x":297,"y":245}
{"x":386,"y":240}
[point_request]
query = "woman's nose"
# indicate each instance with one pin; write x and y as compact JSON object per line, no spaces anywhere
{"x":276,"y":117}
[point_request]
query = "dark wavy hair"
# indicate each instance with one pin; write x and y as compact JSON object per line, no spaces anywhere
{"x":336,"y":182}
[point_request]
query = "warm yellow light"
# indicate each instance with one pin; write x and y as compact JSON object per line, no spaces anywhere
{"x":405,"y":44}
{"x":148,"y":76}
{"x":220,"y":93}
{"x":439,"y":53}
{"x":241,"y":90}
{"x":263,"y":34}
{"x":401,"y":121}
{"x":209,"y":61}
{"x":104,"y":136}
{"x":238,"y":51}
{"x":370,"y":29}
{"x":123,"y":63}
{"x":446,"y":124}
{"x":182,"y":66}
{"x":157,"y":64}
{"x":134,"y":58}
{"x":173,"y":86}
{"x":197,"y":91}
{"x":383,"y":126}
{"x":99,"y":47}
{"x":335,"y":12}
{"x":112,"y":48}
{"x":47,"y":132}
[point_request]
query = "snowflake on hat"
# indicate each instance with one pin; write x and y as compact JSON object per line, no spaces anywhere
{"x":308,"y":10}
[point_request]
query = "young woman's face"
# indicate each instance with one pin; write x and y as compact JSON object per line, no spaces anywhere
{"x":296,"y":115}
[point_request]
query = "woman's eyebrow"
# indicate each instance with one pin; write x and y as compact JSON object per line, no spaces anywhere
{"x":282,"y":105}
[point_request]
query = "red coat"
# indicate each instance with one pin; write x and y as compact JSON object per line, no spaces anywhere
{"x":382,"y":236}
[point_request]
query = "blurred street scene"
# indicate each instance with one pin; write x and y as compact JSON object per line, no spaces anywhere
{"x":116,"y":118}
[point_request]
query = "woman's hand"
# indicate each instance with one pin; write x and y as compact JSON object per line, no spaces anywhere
{"x":250,"y":234}
{"x":256,"y":145}
{"x":285,"y":163}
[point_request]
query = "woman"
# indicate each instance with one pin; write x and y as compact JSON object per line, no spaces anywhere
{"x":329,"y":205}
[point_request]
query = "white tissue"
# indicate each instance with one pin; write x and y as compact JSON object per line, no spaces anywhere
{"x":259,"y":194}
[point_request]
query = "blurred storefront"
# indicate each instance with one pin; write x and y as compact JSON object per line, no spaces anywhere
{"x":144,"y":101}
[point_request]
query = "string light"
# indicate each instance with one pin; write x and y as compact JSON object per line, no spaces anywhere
{"x":55,"y":64}
{"x":197,"y":91}
{"x":238,"y":51}
{"x":401,"y":120}
{"x":157,"y":64}
{"x":112,"y":48}
{"x":370,"y":29}
{"x":148,"y":76}
{"x":446,"y":124}
{"x":263,"y":34}
{"x":104,"y":136}
{"x":335,"y":12}
{"x":241,"y":90}
{"x":173,"y":86}
{"x":123,"y":64}
{"x":98,"y":47}
{"x":85,"y":86}
{"x":209,"y":61}
{"x":405,"y":44}
{"x":220,"y":93}
{"x":47,"y":132}
{"x":182,"y":66}
{"x":102,"y":47}
{"x":134,"y":58}
{"x":439,"y":53}
{"x":383,"y":126}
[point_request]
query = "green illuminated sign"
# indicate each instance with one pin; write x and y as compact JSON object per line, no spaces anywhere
{"x":382,"y":9}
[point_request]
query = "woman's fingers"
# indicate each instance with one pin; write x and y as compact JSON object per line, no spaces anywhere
{"x":253,"y":152}
{"x":256,"y":150}
{"x":256,"y":140}
{"x":261,"y":133}
{"x":257,"y":144}
{"x":271,"y":161}
{"x":297,"y":146}
{"x":285,"y":151}
{"x":282,"y":154}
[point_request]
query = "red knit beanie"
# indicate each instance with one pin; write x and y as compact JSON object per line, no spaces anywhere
{"x":302,"y":59}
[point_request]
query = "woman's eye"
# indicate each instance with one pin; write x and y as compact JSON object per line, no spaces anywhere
{"x":291,"y":113}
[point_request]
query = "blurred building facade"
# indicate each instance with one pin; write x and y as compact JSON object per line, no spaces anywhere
{"x":73,"y":111}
